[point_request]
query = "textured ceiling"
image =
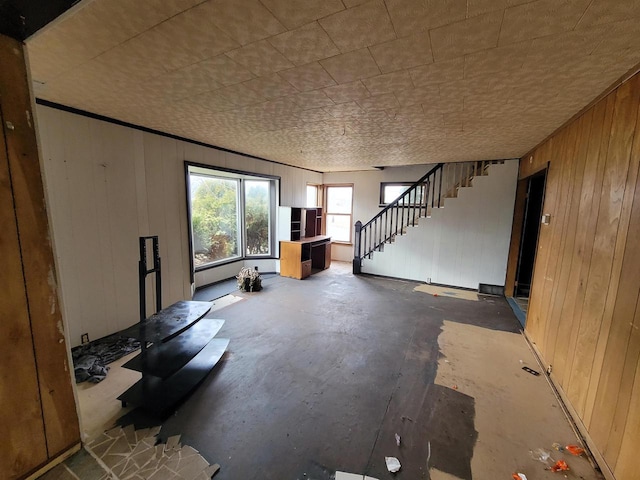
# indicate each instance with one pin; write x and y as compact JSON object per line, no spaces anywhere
{"x":341,"y":84}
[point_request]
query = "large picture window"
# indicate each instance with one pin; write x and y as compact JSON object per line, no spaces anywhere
{"x":339,"y":204}
{"x":231,"y":215}
{"x":214,"y":218}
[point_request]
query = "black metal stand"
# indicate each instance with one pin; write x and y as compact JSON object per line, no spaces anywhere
{"x":183,"y":349}
{"x":143,"y":271}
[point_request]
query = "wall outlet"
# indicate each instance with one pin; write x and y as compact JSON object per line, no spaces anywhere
{"x":84,"y":338}
{"x":429,"y":280}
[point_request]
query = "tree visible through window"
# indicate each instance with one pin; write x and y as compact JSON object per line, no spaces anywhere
{"x":257,"y":216}
{"x":214,"y":218}
{"x":231,"y":215}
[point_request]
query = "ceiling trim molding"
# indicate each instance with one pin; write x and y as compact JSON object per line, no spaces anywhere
{"x":115,"y":121}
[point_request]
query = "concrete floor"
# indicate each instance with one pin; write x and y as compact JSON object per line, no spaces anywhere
{"x":322,"y":373}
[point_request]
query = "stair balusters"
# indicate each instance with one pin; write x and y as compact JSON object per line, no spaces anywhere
{"x":419,"y":200}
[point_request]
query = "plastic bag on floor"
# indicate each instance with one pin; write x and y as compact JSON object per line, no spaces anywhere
{"x":542,"y":456}
{"x":393,"y":464}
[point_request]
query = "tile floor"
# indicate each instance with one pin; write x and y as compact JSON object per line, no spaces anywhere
{"x":129,"y":454}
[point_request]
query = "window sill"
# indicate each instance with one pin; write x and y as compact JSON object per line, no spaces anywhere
{"x":209,"y":266}
{"x":221,"y":263}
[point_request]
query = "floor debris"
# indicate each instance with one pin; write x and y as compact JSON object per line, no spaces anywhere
{"x":127,"y":452}
{"x":560,"y":466}
{"x":447,"y":292}
{"x":393,"y":464}
{"x":519,"y":476}
{"x":91,"y":359}
{"x":531,"y":371}
{"x":542,"y":456}
{"x":398,"y":439}
{"x":574,"y":450}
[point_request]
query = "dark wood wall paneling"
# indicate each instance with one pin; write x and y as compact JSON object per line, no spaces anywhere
{"x":584,"y":312}
{"x":39,"y":418}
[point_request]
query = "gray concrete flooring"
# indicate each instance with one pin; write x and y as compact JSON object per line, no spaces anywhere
{"x":322,"y":373}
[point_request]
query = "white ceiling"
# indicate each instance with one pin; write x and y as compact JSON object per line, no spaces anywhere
{"x":340,"y":84}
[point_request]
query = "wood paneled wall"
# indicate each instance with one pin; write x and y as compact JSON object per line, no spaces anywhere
{"x":584,"y":312}
{"x":38,"y":417}
{"x":107,"y":185}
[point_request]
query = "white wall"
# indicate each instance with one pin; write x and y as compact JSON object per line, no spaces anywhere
{"x":366,"y":195}
{"x":106,"y":186}
{"x":463,"y":244}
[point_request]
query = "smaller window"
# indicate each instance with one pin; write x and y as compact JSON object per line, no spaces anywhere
{"x":339,"y":211}
{"x":389,"y":191}
{"x":312,"y":196}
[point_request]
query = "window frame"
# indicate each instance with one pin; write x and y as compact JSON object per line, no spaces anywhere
{"x":326,"y":212}
{"x":397,"y":184}
{"x":241,"y":176}
{"x":319,"y":191}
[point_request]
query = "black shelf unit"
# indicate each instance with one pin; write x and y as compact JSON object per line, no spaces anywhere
{"x":183,"y":349}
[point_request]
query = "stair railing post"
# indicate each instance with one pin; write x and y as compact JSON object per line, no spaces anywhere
{"x":357,"y":262}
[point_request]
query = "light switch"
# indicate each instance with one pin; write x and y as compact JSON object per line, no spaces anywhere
{"x":546,"y":219}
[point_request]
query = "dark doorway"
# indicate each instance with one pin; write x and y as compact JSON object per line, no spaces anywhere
{"x":529,"y":238}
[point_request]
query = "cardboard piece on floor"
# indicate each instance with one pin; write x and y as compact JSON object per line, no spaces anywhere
{"x":447,"y":292}
{"x":352,"y":476}
{"x":348,"y":476}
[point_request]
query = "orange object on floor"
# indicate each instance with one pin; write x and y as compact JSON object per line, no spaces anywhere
{"x":560,"y":465}
{"x":574,"y":450}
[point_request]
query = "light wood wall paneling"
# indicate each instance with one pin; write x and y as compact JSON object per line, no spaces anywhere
{"x":553,"y":205}
{"x":575,"y":155}
{"x":627,"y":462}
{"x":56,"y":394}
{"x":516,"y":237}
{"x":580,"y":215}
{"x":536,"y":321}
{"x":585,"y":301}
{"x":564,"y":238}
{"x":594,"y":170}
{"x":626,"y":163}
{"x":613,"y":351}
{"x":602,"y":273}
{"x":21,"y":421}
{"x":626,"y":411}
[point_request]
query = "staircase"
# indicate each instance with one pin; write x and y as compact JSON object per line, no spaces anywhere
{"x":448,"y":226}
